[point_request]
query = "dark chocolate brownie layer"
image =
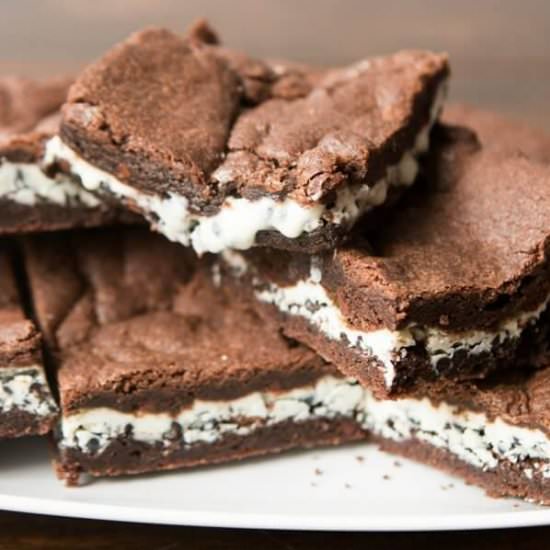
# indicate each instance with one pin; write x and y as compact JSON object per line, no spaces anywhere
{"x":127,"y":456}
{"x":45,"y":216}
{"x":185,"y":118}
{"x":30,"y":200}
{"x":20,"y":423}
{"x":497,"y":131}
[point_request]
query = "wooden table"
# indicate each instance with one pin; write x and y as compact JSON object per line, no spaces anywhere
{"x":20,"y":531}
{"x":500,"y":53}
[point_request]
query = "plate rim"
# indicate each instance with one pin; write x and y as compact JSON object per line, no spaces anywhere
{"x":72,"y":503}
{"x":228,"y":519}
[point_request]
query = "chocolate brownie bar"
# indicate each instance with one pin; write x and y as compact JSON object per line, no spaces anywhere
{"x":31,"y":197}
{"x":497,"y":131}
{"x":222,"y":151}
{"x":493,"y":433}
{"x":158,"y":369}
{"x":26,"y":404}
{"x":456,"y":283}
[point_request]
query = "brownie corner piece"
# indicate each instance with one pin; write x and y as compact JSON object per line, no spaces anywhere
{"x":26,"y":403}
{"x":493,"y":433}
{"x":221,"y":151}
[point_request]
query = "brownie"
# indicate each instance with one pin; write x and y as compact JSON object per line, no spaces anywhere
{"x":26,"y":404}
{"x":455,"y":284}
{"x":219,"y":150}
{"x":159,"y":369}
{"x":29,"y":113}
{"x":494,"y":433}
{"x":500,"y":132}
{"x":33,"y":198}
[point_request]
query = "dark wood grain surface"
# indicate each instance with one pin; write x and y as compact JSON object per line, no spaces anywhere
{"x":19,"y":531}
{"x":500,"y":53}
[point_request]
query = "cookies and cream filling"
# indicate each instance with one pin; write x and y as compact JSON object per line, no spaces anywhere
{"x":93,"y":429}
{"x":28,"y":185}
{"x":237,"y":222}
{"x":470,"y":436}
{"x":25,"y":389}
{"x":308,"y":299}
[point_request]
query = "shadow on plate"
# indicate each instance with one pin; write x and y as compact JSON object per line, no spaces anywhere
{"x":25,"y":452}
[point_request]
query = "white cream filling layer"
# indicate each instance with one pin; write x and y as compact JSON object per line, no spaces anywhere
{"x":238,"y":221}
{"x":28,"y":185}
{"x":442,"y":344}
{"x":207,"y":421}
{"x":25,"y":389}
{"x":308,"y":299}
{"x":468,"y":435}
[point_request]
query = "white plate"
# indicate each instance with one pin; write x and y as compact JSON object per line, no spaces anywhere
{"x":352,"y":488}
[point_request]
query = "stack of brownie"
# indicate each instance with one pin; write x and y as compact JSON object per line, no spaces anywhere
{"x":331,"y":261}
